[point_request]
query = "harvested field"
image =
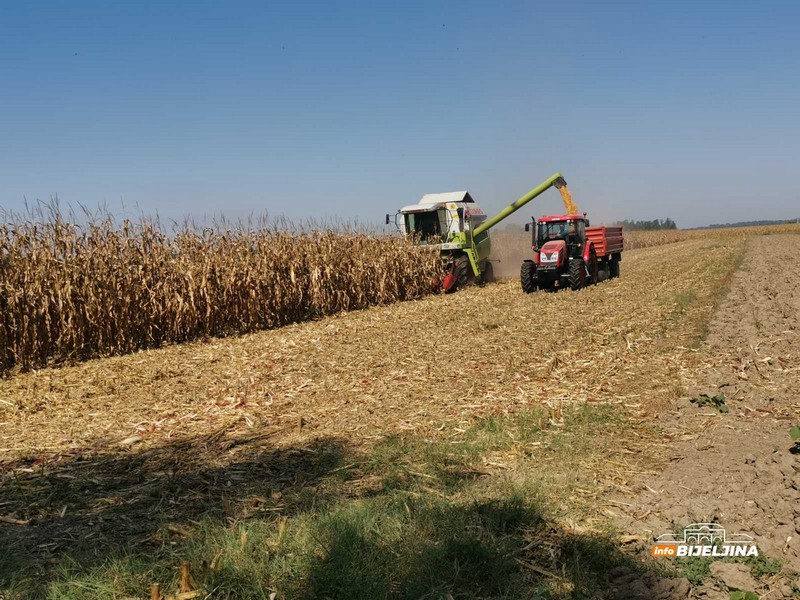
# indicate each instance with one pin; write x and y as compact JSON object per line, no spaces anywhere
{"x":510,"y":249}
{"x":381,"y":370}
{"x":205,"y":411}
{"x":361,"y":447}
{"x":647,"y":239}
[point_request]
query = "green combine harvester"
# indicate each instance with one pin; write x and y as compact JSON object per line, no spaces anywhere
{"x":459,"y":228}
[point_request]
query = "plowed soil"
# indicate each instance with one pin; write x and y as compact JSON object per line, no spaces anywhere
{"x":736,"y":468}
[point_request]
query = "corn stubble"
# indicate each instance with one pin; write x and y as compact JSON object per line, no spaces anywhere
{"x":71,"y":292}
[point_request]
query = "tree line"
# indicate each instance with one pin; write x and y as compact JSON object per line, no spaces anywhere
{"x":653,"y":225}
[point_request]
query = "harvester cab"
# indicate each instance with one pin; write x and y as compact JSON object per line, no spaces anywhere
{"x":439,"y":219}
{"x":454,"y":223}
{"x":448,"y":221}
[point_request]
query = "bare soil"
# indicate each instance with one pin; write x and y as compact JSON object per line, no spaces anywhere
{"x":736,"y":468}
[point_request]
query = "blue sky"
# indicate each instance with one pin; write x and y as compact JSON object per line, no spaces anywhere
{"x":686,"y":110}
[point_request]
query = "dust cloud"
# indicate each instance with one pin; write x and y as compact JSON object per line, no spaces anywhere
{"x":509,"y":249}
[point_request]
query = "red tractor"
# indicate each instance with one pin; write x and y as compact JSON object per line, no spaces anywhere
{"x":567,"y":252}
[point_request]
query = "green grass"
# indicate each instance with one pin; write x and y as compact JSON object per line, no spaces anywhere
{"x":762,"y":566}
{"x":717,"y":401}
{"x":391,"y":547}
{"x":725,"y":271}
{"x":684,"y":300}
{"x":687,"y":304}
{"x":698,"y":569}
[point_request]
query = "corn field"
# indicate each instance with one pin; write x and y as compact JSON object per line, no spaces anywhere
{"x":71,"y":292}
{"x":648,"y":239}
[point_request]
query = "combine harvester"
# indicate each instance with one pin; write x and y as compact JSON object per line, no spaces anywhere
{"x":455,"y":224}
{"x":567,"y":252}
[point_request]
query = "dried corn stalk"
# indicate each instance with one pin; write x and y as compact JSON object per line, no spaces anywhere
{"x":71,"y":292}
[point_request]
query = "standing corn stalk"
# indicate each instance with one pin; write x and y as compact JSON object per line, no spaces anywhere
{"x":70,"y":292}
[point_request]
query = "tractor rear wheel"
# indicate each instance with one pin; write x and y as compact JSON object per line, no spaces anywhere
{"x":577,"y":273}
{"x":527,"y":276}
{"x":614,"y":267}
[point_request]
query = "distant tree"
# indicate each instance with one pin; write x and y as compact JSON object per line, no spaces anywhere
{"x":654,"y":225}
{"x":749,"y":223}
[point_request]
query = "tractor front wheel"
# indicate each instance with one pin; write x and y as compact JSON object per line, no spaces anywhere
{"x":527,"y":276}
{"x":577,"y":273}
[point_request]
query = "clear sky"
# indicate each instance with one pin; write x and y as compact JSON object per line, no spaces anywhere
{"x":688,"y":110}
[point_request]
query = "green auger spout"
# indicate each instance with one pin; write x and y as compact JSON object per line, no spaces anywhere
{"x":556,"y":180}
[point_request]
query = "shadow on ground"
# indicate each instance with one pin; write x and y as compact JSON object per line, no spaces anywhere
{"x":319,"y":520}
{"x":114,"y":498}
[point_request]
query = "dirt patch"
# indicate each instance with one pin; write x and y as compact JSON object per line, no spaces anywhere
{"x":735,"y":466}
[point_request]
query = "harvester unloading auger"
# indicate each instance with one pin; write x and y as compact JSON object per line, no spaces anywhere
{"x":455,"y":224}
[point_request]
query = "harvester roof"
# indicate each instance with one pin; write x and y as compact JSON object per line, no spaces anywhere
{"x":447,"y":197}
{"x":434,"y":201}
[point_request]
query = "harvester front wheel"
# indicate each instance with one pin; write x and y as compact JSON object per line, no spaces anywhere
{"x":577,"y":273}
{"x":458,"y":276}
{"x":488,"y":273}
{"x":527,"y":276}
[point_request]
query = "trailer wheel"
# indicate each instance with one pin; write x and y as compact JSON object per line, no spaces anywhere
{"x":614,"y":267}
{"x":577,"y":273}
{"x":594,"y":267}
{"x":527,"y":276}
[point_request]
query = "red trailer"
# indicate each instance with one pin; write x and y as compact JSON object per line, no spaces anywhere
{"x":567,"y":252}
{"x":607,"y":240}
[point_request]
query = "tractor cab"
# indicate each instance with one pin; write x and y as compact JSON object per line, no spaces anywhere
{"x":556,"y":239}
{"x":569,"y":230}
